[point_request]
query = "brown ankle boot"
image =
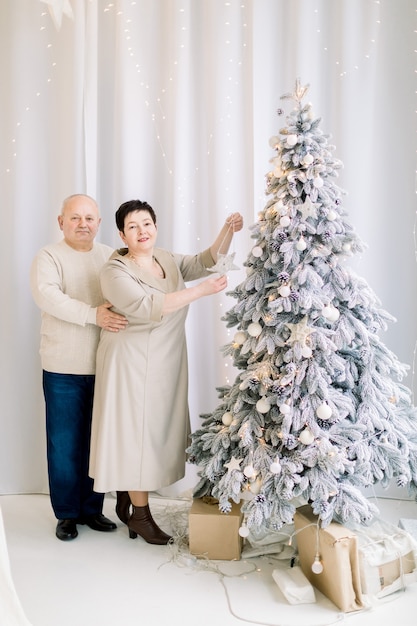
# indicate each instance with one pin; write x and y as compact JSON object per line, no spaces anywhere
{"x":123,"y":506}
{"x":142,"y":523}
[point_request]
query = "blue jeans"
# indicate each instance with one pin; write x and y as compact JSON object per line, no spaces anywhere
{"x":69,"y":404}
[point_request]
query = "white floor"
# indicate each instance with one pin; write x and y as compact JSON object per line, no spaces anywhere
{"x":107,"y":579}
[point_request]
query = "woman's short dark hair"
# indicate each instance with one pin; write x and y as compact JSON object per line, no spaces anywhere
{"x":130,"y":207}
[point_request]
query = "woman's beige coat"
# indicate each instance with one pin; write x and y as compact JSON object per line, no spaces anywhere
{"x":141,"y":423}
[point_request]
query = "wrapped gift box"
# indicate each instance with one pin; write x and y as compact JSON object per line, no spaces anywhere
{"x":213,"y":534}
{"x":387,"y":557}
{"x":294,"y":585}
{"x":338,"y":550}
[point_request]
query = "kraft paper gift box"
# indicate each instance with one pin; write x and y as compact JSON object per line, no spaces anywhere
{"x":337,"y":547}
{"x":213,"y":534}
{"x":387,"y":558}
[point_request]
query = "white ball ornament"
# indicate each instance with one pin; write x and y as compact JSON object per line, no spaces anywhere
{"x":275,"y":467}
{"x":347,"y":247}
{"x":240,"y":337}
{"x":326,"y":312}
{"x":307,"y":159}
{"x":227,"y":418}
{"x":285,"y":221}
{"x":244,"y":531}
{"x":318,"y":182}
{"x":292,"y":140}
{"x":254,"y":329}
{"x":306,"y":351}
{"x":257,"y":251}
{"x":249,"y":471}
{"x":263,"y":405}
{"x":284,"y":409}
{"x":334,"y":314}
{"x":331,"y":216}
{"x":284,"y":291}
{"x":306,"y":437}
{"x":301,"y":244}
{"x":323,"y":411}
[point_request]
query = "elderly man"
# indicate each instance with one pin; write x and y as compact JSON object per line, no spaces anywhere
{"x":65,"y":286}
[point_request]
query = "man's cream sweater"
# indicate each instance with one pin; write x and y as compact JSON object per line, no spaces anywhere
{"x":66,"y":287}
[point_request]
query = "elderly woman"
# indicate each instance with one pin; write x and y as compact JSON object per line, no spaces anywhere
{"x":141,"y":421}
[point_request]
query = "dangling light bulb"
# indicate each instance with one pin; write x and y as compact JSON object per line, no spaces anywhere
{"x":317,"y":566}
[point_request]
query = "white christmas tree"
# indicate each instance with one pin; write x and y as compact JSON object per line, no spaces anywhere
{"x":318,"y":410}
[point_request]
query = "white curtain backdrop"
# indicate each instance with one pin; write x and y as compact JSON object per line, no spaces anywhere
{"x":174,"y":102}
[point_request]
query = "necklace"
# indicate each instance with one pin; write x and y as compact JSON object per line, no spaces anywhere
{"x":154,"y":267}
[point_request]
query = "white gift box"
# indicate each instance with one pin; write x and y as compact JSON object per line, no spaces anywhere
{"x":294,"y":585}
{"x":387,"y":558}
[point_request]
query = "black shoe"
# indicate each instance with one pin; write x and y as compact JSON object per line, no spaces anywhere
{"x":66,"y":529}
{"x":98,"y":522}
